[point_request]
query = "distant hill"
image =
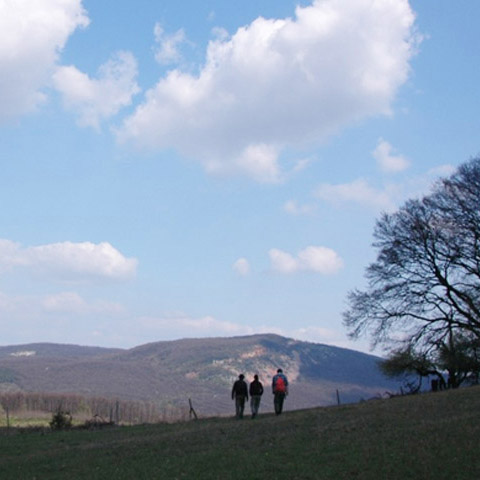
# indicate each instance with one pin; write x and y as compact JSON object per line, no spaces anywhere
{"x":169,"y":373}
{"x":54,"y":350}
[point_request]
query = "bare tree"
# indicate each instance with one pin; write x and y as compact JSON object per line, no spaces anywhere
{"x":424,"y":286}
{"x":411,"y":366}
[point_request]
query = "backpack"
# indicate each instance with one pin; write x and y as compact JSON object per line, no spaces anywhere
{"x":280,"y":386}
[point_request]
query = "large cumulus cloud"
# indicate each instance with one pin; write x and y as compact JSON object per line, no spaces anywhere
{"x":278,"y":83}
{"x":32,"y":35}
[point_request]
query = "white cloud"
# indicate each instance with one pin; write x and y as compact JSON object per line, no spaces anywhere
{"x":180,"y":325}
{"x":69,"y":260}
{"x":168,"y":49}
{"x":259,"y":161}
{"x":64,"y":317}
{"x":32,"y":35}
{"x":64,"y":302}
{"x":442,"y":171}
{"x":278,"y":83}
{"x":73,"y":303}
{"x":326,"y":336}
{"x":32,"y":307}
{"x":315,"y":334}
{"x":358,"y":191}
{"x":315,"y":259}
{"x":387,"y":160}
{"x":242,"y":267}
{"x":387,"y":198}
{"x":98,"y":98}
{"x":282,"y":262}
{"x":293,"y":208}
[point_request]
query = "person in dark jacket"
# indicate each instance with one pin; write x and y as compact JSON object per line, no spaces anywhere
{"x":256,"y":392}
{"x":240,"y":394}
{"x":279,"y":390}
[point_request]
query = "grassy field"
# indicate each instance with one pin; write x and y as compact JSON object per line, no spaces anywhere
{"x":25,"y":419}
{"x":429,"y":436}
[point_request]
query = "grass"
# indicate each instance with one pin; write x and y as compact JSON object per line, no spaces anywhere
{"x":27,"y":419}
{"x":419,"y":437}
{"x":30,"y":419}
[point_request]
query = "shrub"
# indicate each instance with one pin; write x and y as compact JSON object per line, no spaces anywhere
{"x":61,"y":421}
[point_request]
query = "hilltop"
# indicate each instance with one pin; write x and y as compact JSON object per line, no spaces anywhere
{"x":168,"y":373}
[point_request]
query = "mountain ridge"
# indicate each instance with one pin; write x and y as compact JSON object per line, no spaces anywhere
{"x":171,"y":372}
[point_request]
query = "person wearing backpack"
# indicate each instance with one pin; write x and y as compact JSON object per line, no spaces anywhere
{"x":279,"y":390}
{"x":256,"y":392}
{"x":240,"y":394}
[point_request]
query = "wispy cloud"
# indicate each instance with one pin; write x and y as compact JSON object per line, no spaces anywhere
{"x":168,"y":46}
{"x":388,"y":197}
{"x":57,"y":317}
{"x":74,"y":304}
{"x":359,"y":192}
{"x":294,"y":208}
{"x":314,"y":259}
{"x":178,"y":325}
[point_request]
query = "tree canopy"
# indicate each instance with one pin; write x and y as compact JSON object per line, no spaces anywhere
{"x":423,"y":289}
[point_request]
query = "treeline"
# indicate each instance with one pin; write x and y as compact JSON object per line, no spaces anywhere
{"x":104,"y":409}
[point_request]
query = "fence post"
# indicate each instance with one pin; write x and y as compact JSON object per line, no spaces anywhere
{"x":192,"y":411}
{"x":7,"y":413}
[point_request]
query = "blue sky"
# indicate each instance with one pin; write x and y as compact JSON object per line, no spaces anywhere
{"x":192,"y":169}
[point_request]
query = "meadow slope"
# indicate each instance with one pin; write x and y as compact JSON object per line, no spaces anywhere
{"x":428,"y":436}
